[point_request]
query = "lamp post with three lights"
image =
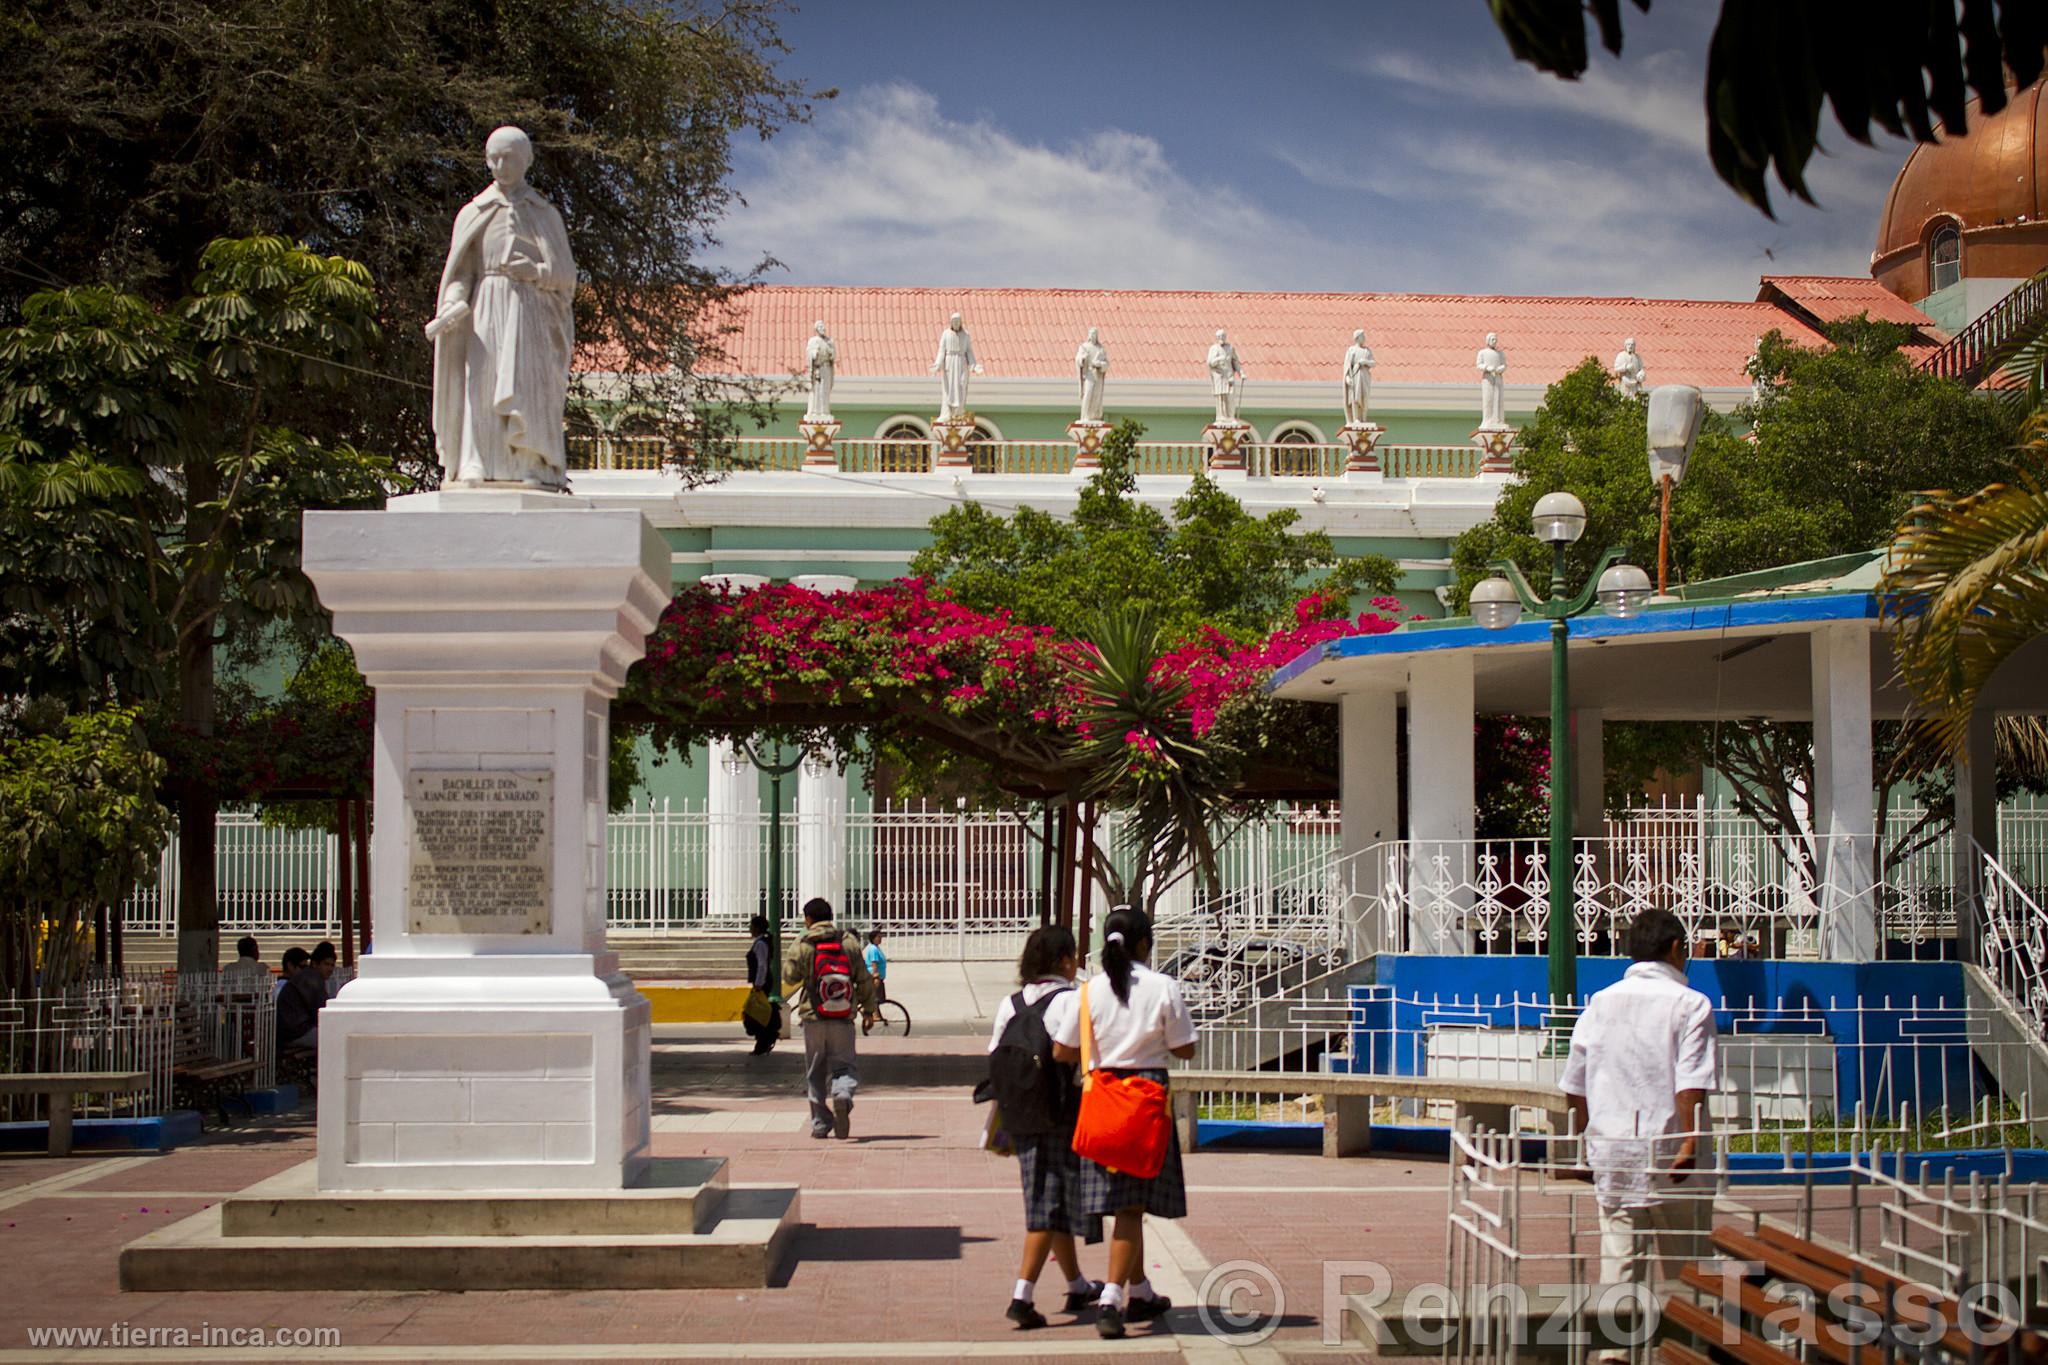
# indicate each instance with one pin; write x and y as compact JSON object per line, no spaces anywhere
{"x":1622,"y":590}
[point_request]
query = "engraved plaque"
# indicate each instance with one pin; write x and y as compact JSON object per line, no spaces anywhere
{"x":479,"y":856}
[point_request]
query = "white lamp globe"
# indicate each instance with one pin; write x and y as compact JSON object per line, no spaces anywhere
{"x":1624,"y":591}
{"x":1494,"y":604}
{"x":736,"y":760}
{"x":1559,"y":519}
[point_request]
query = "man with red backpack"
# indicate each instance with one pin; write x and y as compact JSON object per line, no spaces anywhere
{"x":832,"y":988}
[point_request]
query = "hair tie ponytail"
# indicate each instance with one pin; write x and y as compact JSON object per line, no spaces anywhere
{"x":1126,"y":930}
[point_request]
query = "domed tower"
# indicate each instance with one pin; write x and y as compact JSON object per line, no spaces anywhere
{"x":1965,"y":222}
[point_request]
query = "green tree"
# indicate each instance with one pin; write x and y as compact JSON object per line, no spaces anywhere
{"x":165,"y":425}
{"x":80,"y":827}
{"x":1771,"y":64}
{"x":136,"y":132}
{"x":1843,"y":439}
{"x":1207,"y":561}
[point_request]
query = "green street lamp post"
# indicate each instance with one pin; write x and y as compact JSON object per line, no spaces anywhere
{"x":1622,"y":590}
{"x":743,"y":754}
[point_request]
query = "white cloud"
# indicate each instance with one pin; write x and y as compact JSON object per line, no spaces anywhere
{"x":885,"y":189}
{"x":1481,"y":195}
{"x":1654,"y":97}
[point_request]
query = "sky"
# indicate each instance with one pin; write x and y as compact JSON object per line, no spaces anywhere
{"x":1372,"y":145}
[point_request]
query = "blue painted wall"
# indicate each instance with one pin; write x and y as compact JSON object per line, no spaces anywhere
{"x":1900,"y":1030}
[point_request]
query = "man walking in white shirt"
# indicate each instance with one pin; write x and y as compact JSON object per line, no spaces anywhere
{"x":1641,"y":1067}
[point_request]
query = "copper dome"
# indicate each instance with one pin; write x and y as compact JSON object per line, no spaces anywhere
{"x":1986,"y":182}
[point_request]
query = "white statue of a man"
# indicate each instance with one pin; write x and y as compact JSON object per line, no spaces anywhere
{"x":1091,"y":366}
{"x":1358,"y":365}
{"x":504,"y":330}
{"x":1753,"y":367}
{"x":1226,"y":377}
{"x":1493,"y":384}
{"x":1628,"y":370}
{"x":821,"y":357}
{"x":954,"y":362}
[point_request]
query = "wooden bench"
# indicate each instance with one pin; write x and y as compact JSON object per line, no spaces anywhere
{"x":1726,"y":1329}
{"x":200,"y":1076}
{"x":61,"y":1086}
{"x":1348,"y":1099}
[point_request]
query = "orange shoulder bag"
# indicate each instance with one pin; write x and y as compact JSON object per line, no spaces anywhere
{"x":1124,"y":1124}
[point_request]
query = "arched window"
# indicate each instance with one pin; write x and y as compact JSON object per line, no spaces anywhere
{"x":1944,"y":258}
{"x":906,"y":447}
{"x":1294,"y":450}
{"x":982,"y":448}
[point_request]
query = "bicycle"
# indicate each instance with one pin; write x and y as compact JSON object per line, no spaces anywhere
{"x":890,"y":1017}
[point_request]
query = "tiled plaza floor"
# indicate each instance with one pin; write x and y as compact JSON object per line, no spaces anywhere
{"x":909,"y":1247}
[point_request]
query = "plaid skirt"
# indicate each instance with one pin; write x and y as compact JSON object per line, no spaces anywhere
{"x":1165,"y":1195}
{"x":1051,"y":1173}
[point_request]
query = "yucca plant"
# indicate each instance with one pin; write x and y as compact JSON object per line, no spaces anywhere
{"x":1966,"y":585}
{"x":1136,"y":745}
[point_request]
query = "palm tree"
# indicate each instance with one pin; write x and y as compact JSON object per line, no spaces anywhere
{"x":1138,"y":751}
{"x":1966,"y":585}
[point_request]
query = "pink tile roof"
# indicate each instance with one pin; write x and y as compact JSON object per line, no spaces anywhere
{"x":1160,"y":334}
{"x":1830,"y":299}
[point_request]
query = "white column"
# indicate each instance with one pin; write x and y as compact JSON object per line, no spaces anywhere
{"x":490,"y":1043}
{"x":1844,"y":786}
{"x":1976,"y":831}
{"x":1368,"y":811}
{"x":734,"y":834}
{"x":1441,"y":815}
{"x":821,"y":798}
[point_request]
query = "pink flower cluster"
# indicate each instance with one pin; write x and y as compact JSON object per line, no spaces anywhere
{"x":1218,"y":668}
{"x":902,"y":646}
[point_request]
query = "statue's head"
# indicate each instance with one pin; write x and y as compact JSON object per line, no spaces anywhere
{"x":819,"y":327}
{"x":1492,"y":339}
{"x":508,"y":152}
{"x":1095,"y":334}
{"x":954,"y":322}
{"x":1629,"y":345}
{"x":1221,"y":337}
{"x":1359,"y":336}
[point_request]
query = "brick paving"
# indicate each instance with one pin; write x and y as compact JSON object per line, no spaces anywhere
{"x":909,"y":1247}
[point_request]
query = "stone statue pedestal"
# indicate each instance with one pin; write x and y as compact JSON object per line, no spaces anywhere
{"x":1225,"y":445}
{"x":1087,"y":437}
{"x":1361,"y":444}
{"x":950,"y":439}
{"x":819,"y":434}
{"x":1496,"y":446}
{"x":490,"y":1042}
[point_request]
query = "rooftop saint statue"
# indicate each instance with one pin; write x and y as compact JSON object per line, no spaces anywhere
{"x":822,"y":358}
{"x":1358,"y":363}
{"x":1091,"y":364}
{"x":1493,"y":371}
{"x":954,"y":362}
{"x":504,"y":329}
{"x":1226,"y":378}
{"x":1628,"y":370}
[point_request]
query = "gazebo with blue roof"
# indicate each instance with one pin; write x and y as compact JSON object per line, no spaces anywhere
{"x":1805,"y":642}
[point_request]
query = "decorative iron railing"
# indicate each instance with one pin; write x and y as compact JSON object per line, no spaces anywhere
{"x":1973,"y":353}
{"x":869,"y":456}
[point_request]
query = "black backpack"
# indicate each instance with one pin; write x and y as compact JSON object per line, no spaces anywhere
{"x":1036,"y":1094}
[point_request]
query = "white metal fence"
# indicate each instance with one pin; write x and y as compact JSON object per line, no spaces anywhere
{"x":970,"y":880}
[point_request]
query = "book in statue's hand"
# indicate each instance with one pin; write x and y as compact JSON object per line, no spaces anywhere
{"x":453,"y":315}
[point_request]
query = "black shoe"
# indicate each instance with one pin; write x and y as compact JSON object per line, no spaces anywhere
{"x":1144,"y":1310}
{"x":1109,"y":1323}
{"x":842,"y":1118}
{"x":1024,"y":1315}
{"x":821,"y":1130}
{"x":1085,"y":1300}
